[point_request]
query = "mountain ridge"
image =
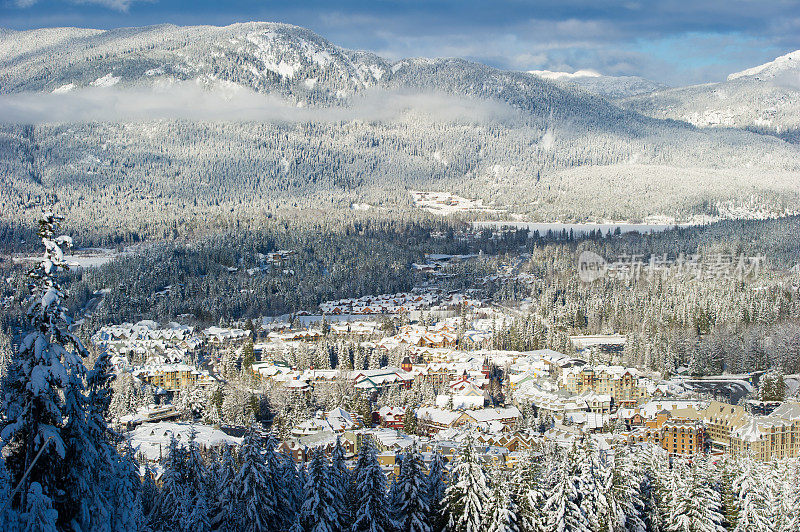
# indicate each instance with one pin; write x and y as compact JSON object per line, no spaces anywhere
{"x":764,"y":99}
{"x":563,"y":153}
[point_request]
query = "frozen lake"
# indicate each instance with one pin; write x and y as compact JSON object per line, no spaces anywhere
{"x":576,"y":228}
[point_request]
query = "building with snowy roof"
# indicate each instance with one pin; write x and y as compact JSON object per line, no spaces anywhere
{"x":772,"y":437}
{"x":152,"y":439}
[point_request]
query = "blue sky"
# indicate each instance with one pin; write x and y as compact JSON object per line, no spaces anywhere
{"x":672,"y":41}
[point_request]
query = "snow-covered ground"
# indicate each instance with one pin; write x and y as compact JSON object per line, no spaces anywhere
{"x":445,"y":203}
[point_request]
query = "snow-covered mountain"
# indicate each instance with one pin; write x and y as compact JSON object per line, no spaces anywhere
{"x":263,"y":56}
{"x":281,"y":59}
{"x":765,"y":98}
{"x":543,"y":145}
{"x":784,"y":68}
{"x":611,"y":87}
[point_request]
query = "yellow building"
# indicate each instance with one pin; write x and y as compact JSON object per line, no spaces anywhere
{"x":772,"y":437}
{"x":172,"y":376}
{"x":621,"y":384}
{"x":720,"y":420}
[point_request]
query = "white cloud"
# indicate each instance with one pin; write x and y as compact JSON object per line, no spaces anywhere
{"x":116,"y":5}
{"x":187,"y":101}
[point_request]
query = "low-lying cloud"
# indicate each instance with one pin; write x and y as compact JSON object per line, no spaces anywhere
{"x":189,"y":101}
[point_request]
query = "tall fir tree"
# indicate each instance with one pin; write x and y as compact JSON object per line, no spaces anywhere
{"x":754,"y":510}
{"x":501,"y":515}
{"x":697,"y":505}
{"x":318,"y":513}
{"x":293,"y":481}
{"x":254,"y":505}
{"x":166,"y":513}
{"x":468,"y":493}
{"x":729,"y":471}
{"x":9,"y":518}
{"x":413,"y":508}
{"x":341,"y":482}
{"x":126,"y":493}
{"x":194,"y":500}
{"x":622,"y":504}
{"x":40,"y":515}
{"x":590,"y":482}
{"x":437,"y":478}
{"x":563,"y":509}
{"x":788,"y":516}
{"x":370,"y":508}
{"x":656,"y":487}
{"x":221,"y":490}
{"x":527,"y":490}
{"x":36,"y":382}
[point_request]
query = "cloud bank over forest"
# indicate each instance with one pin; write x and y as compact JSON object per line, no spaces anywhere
{"x":189,"y":101}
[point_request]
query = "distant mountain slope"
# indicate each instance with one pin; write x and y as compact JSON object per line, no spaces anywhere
{"x":262,"y":56}
{"x":785,"y":68}
{"x":765,"y":99}
{"x":269,"y":58}
{"x":522,"y":144}
{"x":543,"y":99}
{"x":612,"y":87}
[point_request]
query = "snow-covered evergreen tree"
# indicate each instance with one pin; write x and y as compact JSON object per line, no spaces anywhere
{"x":318,"y":513}
{"x":149,"y":494}
{"x":196,"y":515}
{"x":5,"y":353}
{"x":413,"y":508}
{"x":729,"y":471}
{"x":622,"y":506}
{"x":40,"y":516}
{"x":340,"y":486}
{"x":194,"y":503}
{"x":437,"y":477}
{"x":92,"y":482}
{"x":501,"y":515}
{"x":697,"y":505}
{"x":590,"y":482}
{"x":788,"y":519}
{"x":563,"y":510}
{"x":527,"y":489}
{"x":752,"y":488}
{"x":370,"y":503}
{"x":222,"y":496}
{"x":9,"y":518}
{"x":393,"y":498}
{"x":126,"y":493}
{"x":468,"y":493}
{"x":293,"y":485}
{"x":254,"y":504}
{"x":37,"y":377}
{"x":656,"y":487}
{"x":169,"y":503}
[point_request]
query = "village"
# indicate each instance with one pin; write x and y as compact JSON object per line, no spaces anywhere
{"x":434,"y":383}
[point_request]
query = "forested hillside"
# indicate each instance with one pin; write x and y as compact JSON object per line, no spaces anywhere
{"x":329,"y":128}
